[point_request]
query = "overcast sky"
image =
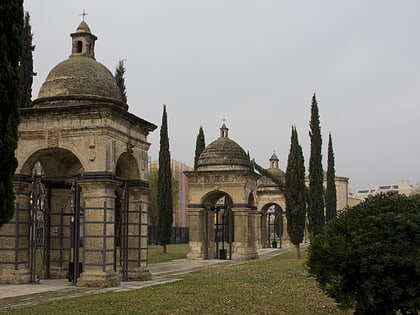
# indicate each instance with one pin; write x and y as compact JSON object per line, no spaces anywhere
{"x":257,"y":64}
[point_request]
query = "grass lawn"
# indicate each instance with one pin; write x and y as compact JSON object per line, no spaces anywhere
{"x":278,"y":285}
{"x":174,"y":251}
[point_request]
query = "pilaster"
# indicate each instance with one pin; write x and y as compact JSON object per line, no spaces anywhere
{"x":98,"y":234}
{"x":14,"y":240}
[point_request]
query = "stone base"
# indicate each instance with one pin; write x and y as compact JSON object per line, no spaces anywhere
{"x":98,"y":279}
{"x":195,"y":250}
{"x":139,"y":274}
{"x":243,"y":253}
{"x":12,"y":276}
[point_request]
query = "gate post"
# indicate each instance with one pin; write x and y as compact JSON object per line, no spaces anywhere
{"x":98,"y":234}
{"x":244,"y":244}
{"x":197,"y":233}
{"x":14,"y":239}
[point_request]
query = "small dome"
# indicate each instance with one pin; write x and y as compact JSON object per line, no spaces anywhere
{"x":223,"y":153}
{"x":80,"y":76}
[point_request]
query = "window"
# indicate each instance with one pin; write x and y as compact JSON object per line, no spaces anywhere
{"x":79,"y":47}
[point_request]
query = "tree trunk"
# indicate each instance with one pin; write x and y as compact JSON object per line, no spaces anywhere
{"x":298,"y":251}
{"x":164,"y":248}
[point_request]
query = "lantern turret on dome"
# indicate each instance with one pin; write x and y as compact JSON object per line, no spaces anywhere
{"x":83,"y":41}
{"x":80,"y":80}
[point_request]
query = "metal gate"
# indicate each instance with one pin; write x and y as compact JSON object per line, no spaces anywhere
{"x":220,"y":219}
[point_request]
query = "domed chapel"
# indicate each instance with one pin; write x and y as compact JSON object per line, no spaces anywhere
{"x":81,"y":182}
{"x":232,"y":210}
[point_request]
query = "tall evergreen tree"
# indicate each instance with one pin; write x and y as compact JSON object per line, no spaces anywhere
{"x":153,"y":198}
{"x":200,"y":145}
{"x":119,"y":77}
{"x":331,"y":190}
{"x":11,"y":43}
{"x":316,"y":177}
{"x":27,"y":64}
{"x":295,"y":193}
{"x":165,"y":202}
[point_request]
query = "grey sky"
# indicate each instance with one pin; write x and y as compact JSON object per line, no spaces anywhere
{"x":257,"y":64}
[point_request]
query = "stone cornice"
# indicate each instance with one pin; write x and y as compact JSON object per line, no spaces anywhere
{"x":98,"y":110}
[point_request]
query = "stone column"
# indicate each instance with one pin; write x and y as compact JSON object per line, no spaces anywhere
{"x":137,"y":235}
{"x":14,"y":240}
{"x":98,"y":234}
{"x":244,"y":244}
{"x":196,"y":245}
{"x":285,"y":239}
{"x":264,"y":231}
{"x":258,"y":230}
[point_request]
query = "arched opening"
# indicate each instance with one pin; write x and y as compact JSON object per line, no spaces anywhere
{"x":79,"y":47}
{"x":272,"y":226}
{"x":219,"y":226}
{"x":56,"y":214}
{"x":130,"y":226}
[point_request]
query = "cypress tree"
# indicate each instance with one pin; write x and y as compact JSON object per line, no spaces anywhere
{"x":165,"y":201}
{"x":119,"y":78}
{"x":295,"y":193}
{"x":200,"y":145}
{"x":316,"y":176}
{"x":331,"y":190}
{"x":27,"y":64}
{"x":11,"y":43}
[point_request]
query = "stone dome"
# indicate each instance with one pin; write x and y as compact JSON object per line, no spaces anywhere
{"x":223,"y":154}
{"x":274,"y":171}
{"x":80,"y":77}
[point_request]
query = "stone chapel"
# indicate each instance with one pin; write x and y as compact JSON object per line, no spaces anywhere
{"x":81,"y":182}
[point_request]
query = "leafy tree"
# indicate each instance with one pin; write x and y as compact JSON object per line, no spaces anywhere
{"x":165,"y":202}
{"x":119,"y":78}
{"x":368,"y":258}
{"x":295,"y":193}
{"x":200,"y":145}
{"x":331,"y":191}
{"x":11,"y":45}
{"x":27,"y":64}
{"x":316,"y":177}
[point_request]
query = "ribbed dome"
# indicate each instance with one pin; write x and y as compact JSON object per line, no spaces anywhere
{"x":223,"y":153}
{"x":80,"y":76}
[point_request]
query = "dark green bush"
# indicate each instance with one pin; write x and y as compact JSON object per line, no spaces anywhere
{"x":369,"y":257}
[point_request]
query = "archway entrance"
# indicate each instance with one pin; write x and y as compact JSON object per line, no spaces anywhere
{"x":272,"y":226}
{"x":219,"y":228}
{"x":55,"y":213}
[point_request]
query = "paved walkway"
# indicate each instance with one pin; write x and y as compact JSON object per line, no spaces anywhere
{"x":13,"y":296}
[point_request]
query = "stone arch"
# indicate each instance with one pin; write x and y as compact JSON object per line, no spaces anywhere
{"x":273,"y":225}
{"x":46,"y":195}
{"x":131,"y":217}
{"x":127,"y":167}
{"x":54,"y":161}
{"x":251,"y":199}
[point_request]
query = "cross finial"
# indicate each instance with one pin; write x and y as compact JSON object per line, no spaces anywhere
{"x":224,"y":120}
{"x":83,"y":15}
